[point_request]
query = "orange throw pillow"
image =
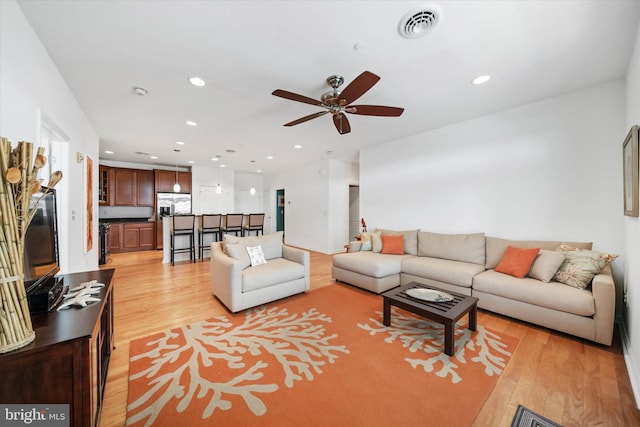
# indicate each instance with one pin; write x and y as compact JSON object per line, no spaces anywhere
{"x":517,"y":261}
{"x":392,"y":244}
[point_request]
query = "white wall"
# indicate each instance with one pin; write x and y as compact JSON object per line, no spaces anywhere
{"x":31,"y":87}
{"x":631,"y":328}
{"x":316,"y":204}
{"x":548,"y":170}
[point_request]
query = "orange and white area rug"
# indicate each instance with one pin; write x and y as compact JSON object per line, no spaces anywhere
{"x":322,"y":358}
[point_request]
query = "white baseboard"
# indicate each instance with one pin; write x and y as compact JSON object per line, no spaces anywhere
{"x":631,"y":361}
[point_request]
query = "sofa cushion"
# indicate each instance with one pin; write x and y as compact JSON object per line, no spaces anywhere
{"x":496,"y":246}
{"x":393,"y":245}
{"x":276,"y":271}
{"x":517,"y":261}
{"x":376,"y":241}
{"x":457,"y":247}
{"x":370,"y":263}
{"x":410,"y":240}
{"x":580,"y":266}
{"x":552,"y":295}
{"x":546,"y":264}
{"x":235,"y":246}
{"x":443,"y":270}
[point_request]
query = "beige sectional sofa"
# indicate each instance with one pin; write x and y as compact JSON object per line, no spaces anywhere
{"x":465,"y":263}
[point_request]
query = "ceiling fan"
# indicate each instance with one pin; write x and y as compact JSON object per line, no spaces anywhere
{"x":337,"y":103}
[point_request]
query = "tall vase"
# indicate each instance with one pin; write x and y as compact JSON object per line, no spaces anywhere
{"x":18,"y":183}
{"x":16,"y":329}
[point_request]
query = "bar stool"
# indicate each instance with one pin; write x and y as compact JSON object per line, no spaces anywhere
{"x":233,"y":224}
{"x":182,"y":225}
{"x":208,"y":224}
{"x":255,"y":223}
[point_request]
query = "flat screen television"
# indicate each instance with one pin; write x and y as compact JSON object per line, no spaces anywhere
{"x":41,"y":257}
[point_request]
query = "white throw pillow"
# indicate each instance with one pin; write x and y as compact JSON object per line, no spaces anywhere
{"x":256,"y":255}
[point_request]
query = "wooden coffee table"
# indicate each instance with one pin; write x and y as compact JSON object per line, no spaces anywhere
{"x":446,"y":313}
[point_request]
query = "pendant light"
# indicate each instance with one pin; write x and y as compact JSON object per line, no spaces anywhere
{"x":218,"y":189}
{"x":252,"y":191}
{"x":176,"y":186}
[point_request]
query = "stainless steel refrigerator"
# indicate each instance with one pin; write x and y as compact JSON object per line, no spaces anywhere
{"x":169,"y":204}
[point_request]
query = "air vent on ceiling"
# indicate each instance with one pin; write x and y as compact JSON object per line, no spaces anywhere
{"x":418,"y":23}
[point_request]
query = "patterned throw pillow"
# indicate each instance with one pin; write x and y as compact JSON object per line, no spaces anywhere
{"x":256,"y":255}
{"x":365,"y":239}
{"x":581,"y":265}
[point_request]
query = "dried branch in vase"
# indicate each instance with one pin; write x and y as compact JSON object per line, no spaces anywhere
{"x":18,"y":184}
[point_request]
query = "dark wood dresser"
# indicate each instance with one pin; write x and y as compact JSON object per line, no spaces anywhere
{"x":68,"y":360}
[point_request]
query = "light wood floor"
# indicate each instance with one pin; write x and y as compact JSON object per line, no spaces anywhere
{"x":571,"y":381}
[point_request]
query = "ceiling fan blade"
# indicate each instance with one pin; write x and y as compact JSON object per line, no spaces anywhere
{"x":342,"y":123}
{"x":295,"y":97}
{"x":375,"y":110}
{"x":358,"y":87}
{"x":306,"y":118}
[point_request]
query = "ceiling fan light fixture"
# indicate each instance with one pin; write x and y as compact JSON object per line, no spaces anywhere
{"x":418,"y":23}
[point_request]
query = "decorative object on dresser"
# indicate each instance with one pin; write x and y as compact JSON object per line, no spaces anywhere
{"x":18,"y":184}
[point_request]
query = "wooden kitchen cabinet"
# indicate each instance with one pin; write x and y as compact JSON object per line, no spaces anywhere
{"x":137,"y":236}
{"x":105,"y":185}
{"x":145,"y":194}
{"x":115,"y":237}
{"x":165,"y":179}
{"x":133,"y":187}
{"x":124,"y":187}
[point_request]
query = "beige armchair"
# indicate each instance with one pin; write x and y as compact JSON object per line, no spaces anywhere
{"x":239,"y":285}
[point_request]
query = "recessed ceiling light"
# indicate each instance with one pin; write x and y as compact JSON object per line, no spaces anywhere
{"x":481,"y":79}
{"x":270,"y":157}
{"x":196,"y":81}
{"x":297,"y":146}
{"x":191,"y":162}
{"x":154,"y":157}
{"x":223,"y":166}
{"x":258,"y":170}
{"x":190,"y":123}
{"x":215,"y":159}
{"x":179,"y":142}
{"x":108,"y":152}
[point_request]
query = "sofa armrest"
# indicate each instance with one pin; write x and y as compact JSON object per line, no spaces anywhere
{"x":355,"y":246}
{"x":604,"y":295}
{"x":226,"y":277}
{"x":301,"y":257}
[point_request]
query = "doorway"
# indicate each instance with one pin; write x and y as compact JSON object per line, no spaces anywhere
{"x":280,"y":210}
{"x":354,"y":211}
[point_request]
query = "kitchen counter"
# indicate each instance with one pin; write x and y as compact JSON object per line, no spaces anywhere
{"x":115,"y":220}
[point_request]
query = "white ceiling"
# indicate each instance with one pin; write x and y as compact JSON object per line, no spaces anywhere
{"x":246,"y":49}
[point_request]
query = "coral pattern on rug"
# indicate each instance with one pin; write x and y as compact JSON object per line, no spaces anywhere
{"x":421,"y":335}
{"x":318,"y":359}
{"x":299,"y":342}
